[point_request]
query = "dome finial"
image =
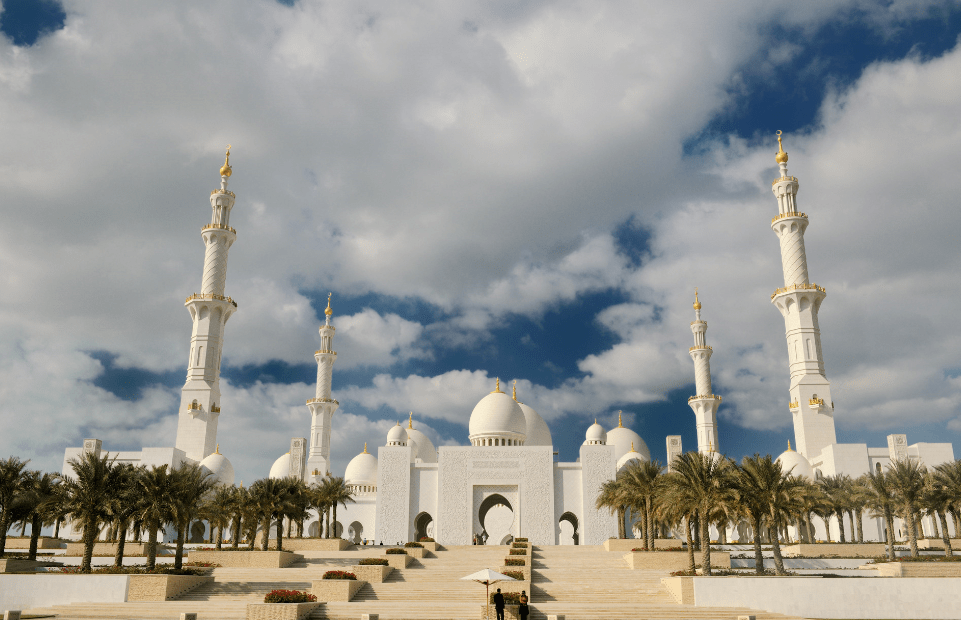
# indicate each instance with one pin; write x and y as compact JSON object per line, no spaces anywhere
{"x":365,"y":448}
{"x":632,"y":446}
{"x":789,"y":446}
{"x":225,"y":170}
{"x":697,"y":302}
{"x":328,"y":311}
{"x":497,"y":389}
{"x":217,"y":451}
{"x":515,"y":390}
{"x":781,"y":156}
{"x":620,"y":424}
{"x":410,"y":420}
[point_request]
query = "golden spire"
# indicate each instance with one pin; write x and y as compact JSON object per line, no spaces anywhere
{"x":710,"y":446}
{"x":781,"y":156}
{"x":241,"y":484}
{"x":328,"y":311}
{"x":789,"y":446}
{"x":218,"y":449}
{"x":632,"y":446}
{"x":497,"y":390}
{"x":697,"y":302}
{"x":621,"y":424}
{"x":225,"y":170}
{"x":410,"y":420}
{"x":515,"y":390}
{"x":365,"y":448}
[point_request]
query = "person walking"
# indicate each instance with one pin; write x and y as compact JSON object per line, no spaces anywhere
{"x":523,"y":610}
{"x":499,"y":604}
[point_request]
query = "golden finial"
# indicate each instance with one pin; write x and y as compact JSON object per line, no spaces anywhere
{"x":217,"y":451}
{"x":789,"y":446}
{"x":365,"y":448}
{"x":595,"y":420}
{"x":241,"y":484}
{"x":621,"y":425}
{"x":710,"y":446}
{"x":632,"y":446}
{"x":328,"y":311}
{"x":225,"y":170}
{"x":410,"y":420}
{"x":515,"y":390}
{"x":697,"y":302}
{"x":497,"y":389}
{"x":781,"y":156}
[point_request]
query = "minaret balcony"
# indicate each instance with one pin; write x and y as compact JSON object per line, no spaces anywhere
{"x":219,"y":227}
{"x":794,"y":407}
{"x":698,"y":348}
{"x":226,"y":192}
{"x":816,"y":403}
{"x":789,"y":214}
{"x":798,"y":287}
{"x":324,"y":352}
{"x":705,"y":397}
{"x":322,"y":400}
{"x":783,"y":179}
{"x":210,"y":297}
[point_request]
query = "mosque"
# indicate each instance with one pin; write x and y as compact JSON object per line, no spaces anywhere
{"x":506,"y":482}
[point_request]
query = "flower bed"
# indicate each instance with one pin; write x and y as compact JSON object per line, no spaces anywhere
{"x":516,"y":574}
{"x":518,"y":552}
{"x":675,"y":549}
{"x":426,"y":539}
{"x":673,"y":561}
{"x":289,"y":596}
{"x":395,"y":550}
{"x":520,"y":540}
{"x":135,"y":569}
{"x":333,"y":574}
{"x":510,"y":598}
{"x":399,"y":561}
{"x":515,"y":562}
{"x":519,"y":545}
{"x":373,"y":562}
{"x":414,"y":544}
{"x":372,"y":573}
{"x":245,"y":558}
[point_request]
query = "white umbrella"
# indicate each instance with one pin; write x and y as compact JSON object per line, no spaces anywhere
{"x":487,"y":577}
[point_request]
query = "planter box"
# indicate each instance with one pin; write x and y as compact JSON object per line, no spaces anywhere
{"x":431,"y":546}
{"x":335,"y":590}
{"x":372,"y":574}
{"x":843,"y":550}
{"x":417,"y":552}
{"x":673,"y":560}
{"x":510,"y":611}
{"x":524,"y":569}
{"x":626,"y":544}
{"x":316,"y":544}
{"x":681,"y":589}
{"x":514,"y":586}
{"x":279,"y":611}
{"x":75,"y":549}
{"x":246,"y":559}
{"x":397,"y":560}
{"x":44,"y":542}
{"x":163,"y":587}
{"x":917,"y":569}
{"x":928,"y":543}
{"x":18,"y":566}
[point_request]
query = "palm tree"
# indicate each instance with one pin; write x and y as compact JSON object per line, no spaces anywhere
{"x":705,"y":480}
{"x":156,"y":490}
{"x":319,"y":494}
{"x":948,"y":476}
{"x":89,"y":492}
{"x":298,"y":509}
{"x":936,"y":500}
{"x":906,"y":478}
{"x":677,"y":508}
{"x":219,"y":508}
{"x":612,"y":497}
{"x":642,"y":481}
{"x":40,"y":501}
{"x":880,"y":502}
{"x":836,"y":497}
{"x":11,"y":482}
{"x":122,"y":506}
{"x":858,"y":497}
{"x":269,"y":496}
{"x":192,"y":482}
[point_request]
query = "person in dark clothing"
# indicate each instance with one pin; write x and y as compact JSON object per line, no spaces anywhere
{"x":523,"y":610}
{"x":499,"y":604}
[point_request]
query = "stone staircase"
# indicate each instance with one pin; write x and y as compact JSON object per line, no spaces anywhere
{"x":579,"y":582}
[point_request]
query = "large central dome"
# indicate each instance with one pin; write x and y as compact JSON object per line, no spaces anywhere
{"x":497,"y":420}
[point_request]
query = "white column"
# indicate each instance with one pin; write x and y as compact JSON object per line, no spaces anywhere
{"x":704,"y":402}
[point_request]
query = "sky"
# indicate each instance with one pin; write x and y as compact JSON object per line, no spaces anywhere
{"x":528,"y":191}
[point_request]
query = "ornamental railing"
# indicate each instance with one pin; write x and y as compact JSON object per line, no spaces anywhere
{"x":798,"y":287}
{"x":704,"y":347}
{"x":211,"y":296}
{"x":793,"y":405}
{"x":224,"y":191}
{"x":193,"y":406}
{"x":214,"y":409}
{"x":705,"y":397}
{"x":816,"y":402}
{"x":789,"y":214}
{"x":323,"y":400}
{"x":219,"y":227}
{"x":324,"y":352}
{"x":782,"y":179}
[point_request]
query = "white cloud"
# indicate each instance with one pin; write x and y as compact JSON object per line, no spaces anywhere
{"x":369,"y":339}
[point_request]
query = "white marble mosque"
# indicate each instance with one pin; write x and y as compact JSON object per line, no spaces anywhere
{"x":506,"y":481}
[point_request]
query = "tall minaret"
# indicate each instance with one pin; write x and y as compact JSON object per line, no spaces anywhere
{"x":704,"y":403}
{"x":322,"y":407}
{"x":209,"y":309}
{"x":799,"y":302}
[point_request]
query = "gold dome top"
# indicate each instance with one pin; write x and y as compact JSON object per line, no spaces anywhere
{"x":328,"y":311}
{"x":781,"y":156}
{"x":620,"y":424}
{"x":225,"y":170}
{"x":497,"y":389}
{"x":410,"y":420}
{"x":697,"y":302}
{"x":789,"y":446}
{"x":365,"y":448}
{"x":515,"y":390}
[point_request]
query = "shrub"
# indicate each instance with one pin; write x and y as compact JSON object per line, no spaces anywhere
{"x":426,"y":539}
{"x":140,"y":569}
{"x":516,"y":574}
{"x":515,"y":562}
{"x":510,"y":598}
{"x":289,"y":596}
{"x":394,"y":550}
{"x":340,"y":574}
{"x":202,"y":564}
{"x":518,"y":552}
{"x":414,"y":544}
{"x":519,"y":545}
{"x":675,"y":549}
{"x":683,"y":573}
{"x":520,"y":540}
{"x":374,"y":562}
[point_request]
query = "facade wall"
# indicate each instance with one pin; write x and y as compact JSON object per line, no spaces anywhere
{"x":393,"y":517}
{"x":423,"y":493}
{"x":567,"y":495}
{"x":598,"y":466}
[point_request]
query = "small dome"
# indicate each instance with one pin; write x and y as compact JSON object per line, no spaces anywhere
{"x":362,"y":469}
{"x":498,"y":415}
{"x":281,"y":467}
{"x":538,"y":433}
{"x":422,"y":448}
{"x":595,"y":434}
{"x":795,"y":463}
{"x":631,"y":456}
{"x":218,"y":465}
{"x":622,"y":438}
{"x":397,"y":436}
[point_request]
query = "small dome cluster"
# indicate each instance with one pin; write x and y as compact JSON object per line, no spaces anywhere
{"x":795,"y":463}
{"x":628,"y":445}
{"x":218,"y":465}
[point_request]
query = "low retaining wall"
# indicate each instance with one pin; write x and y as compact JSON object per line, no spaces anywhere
{"x":372,"y":574}
{"x":936,"y":543}
{"x":43,"y":590}
{"x":524,"y":569}
{"x":162,"y":587}
{"x":673,"y":560}
{"x":417,"y":552}
{"x":514,"y":586}
{"x":626,"y":544}
{"x":844,"y":550}
{"x":398,"y":560}
{"x":815,"y":597}
{"x":279,"y":611}
{"x":316,"y":544}
{"x":335,"y":590}
{"x":44,"y":542}
{"x":18,"y":566}
{"x":246,"y":559}
{"x":432,"y":546}
{"x":918,"y":569}
{"x":75,"y":549}
{"x":510,"y":612}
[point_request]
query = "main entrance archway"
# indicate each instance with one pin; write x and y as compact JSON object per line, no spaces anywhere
{"x":568,"y":526}
{"x":423,"y":526}
{"x":497,"y":519}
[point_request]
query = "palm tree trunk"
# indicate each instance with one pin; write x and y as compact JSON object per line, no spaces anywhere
{"x":152,"y":525}
{"x":840,"y":515}
{"x":776,"y":549}
{"x":722,"y":533}
{"x":220,"y":537}
{"x":649,"y":525}
{"x":758,"y":553}
{"x":300,"y":528}
{"x":35,"y":524}
{"x":334,"y":524}
{"x":4,"y":526}
{"x":327,"y":528}
{"x":889,"y":521}
{"x":860,"y":524}
{"x":705,"y":541}
{"x":944,"y":534}
{"x":236,"y":536}
{"x":912,"y":532}
{"x":691,"y":564}
{"x":121,"y":543}
{"x":182,"y":525}
{"x":280,"y":532}
{"x":621,"y":517}
{"x":89,"y":537}
{"x":56,"y":528}
{"x":266,"y":533}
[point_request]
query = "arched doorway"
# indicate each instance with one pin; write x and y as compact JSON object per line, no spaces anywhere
{"x":423,"y":526}
{"x":496,"y":516}
{"x":313,"y":529}
{"x":197,"y":531}
{"x":338,"y":529}
{"x":568,"y":525}
{"x":355,"y":532}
